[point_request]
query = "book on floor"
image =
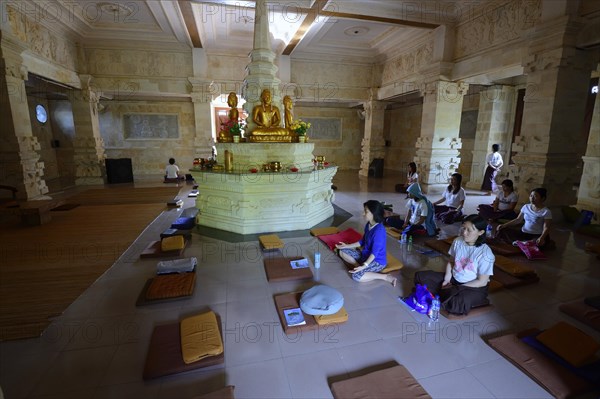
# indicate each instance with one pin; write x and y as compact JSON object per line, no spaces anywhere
{"x":428,"y":252}
{"x":294,"y":317}
{"x":299,"y":263}
{"x":177,"y":202}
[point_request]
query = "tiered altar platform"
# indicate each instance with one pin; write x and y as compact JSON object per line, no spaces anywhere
{"x":295,"y":198}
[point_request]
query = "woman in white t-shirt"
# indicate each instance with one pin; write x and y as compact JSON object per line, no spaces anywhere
{"x":454,"y":196}
{"x":411,"y":177}
{"x":504,"y":205}
{"x":172,"y":171}
{"x":494,"y":163}
{"x":464,"y":284}
{"x":537,"y":219}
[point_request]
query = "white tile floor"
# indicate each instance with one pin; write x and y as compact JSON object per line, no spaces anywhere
{"x":97,"y":348}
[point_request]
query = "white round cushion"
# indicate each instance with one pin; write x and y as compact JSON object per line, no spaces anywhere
{"x":321,"y":300}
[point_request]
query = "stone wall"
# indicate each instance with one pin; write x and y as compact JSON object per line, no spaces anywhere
{"x":344,"y":153}
{"x":403,"y":127}
{"x":322,"y":81}
{"x":149,"y":156}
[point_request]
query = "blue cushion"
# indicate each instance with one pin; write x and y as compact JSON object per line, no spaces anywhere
{"x":321,"y":300}
{"x":184,"y":223}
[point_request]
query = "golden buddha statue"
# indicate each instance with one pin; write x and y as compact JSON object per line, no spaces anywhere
{"x":288,"y":115}
{"x":267,"y":118}
{"x":225,"y":136}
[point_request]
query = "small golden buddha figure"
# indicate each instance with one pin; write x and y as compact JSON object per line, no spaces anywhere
{"x":288,"y":115}
{"x":225,"y":136}
{"x":267,"y":118}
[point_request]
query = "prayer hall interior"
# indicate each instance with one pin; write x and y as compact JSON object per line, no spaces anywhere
{"x":96,"y":96}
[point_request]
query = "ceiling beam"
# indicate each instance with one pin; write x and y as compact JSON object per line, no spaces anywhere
{"x":393,"y":21}
{"x":318,"y":10}
{"x":190,"y":22}
{"x":312,"y":14}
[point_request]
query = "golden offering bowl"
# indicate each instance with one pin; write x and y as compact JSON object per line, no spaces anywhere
{"x":275,"y":166}
{"x":320,"y":158}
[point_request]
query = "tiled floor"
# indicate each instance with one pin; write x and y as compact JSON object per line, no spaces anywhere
{"x":97,"y":348}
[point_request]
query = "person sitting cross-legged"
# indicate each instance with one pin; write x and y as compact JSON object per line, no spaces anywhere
{"x":464,"y":284}
{"x":503,"y":206}
{"x":368,"y":255}
{"x":419,"y":218}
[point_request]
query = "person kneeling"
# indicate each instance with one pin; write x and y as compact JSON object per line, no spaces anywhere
{"x":464,"y":284}
{"x":368,"y":256}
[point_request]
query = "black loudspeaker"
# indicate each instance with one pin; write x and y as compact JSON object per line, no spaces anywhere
{"x":119,"y":171}
{"x":376,"y":167}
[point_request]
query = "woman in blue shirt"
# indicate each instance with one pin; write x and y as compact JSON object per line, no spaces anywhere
{"x":368,"y":255}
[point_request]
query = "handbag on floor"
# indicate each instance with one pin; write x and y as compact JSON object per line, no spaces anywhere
{"x":531,"y":250}
{"x":420,"y":299}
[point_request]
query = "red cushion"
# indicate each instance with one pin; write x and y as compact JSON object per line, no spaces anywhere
{"x":348,"y":236}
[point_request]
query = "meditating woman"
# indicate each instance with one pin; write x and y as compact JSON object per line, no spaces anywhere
{"x":411,"y":177}
{"x":464,"y":284}
{"x":267,"y":117}
{"x":494,"y":163}
{"x":454,"y":196}
{"x":419,"y":218}
{"x":368,"y":256}
{"x":537,"y":219}
{"x":172,"y":171}
{"x":503,"y":206}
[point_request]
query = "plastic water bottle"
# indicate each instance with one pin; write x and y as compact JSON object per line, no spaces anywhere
{"x":317,"y":260}
{"x":434,"y":310}
{"x":403,"y":238}
{"x":409,"y":243}
{"x":488,"y":230}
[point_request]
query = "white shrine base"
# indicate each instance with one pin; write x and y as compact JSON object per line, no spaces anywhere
{"x":249,"y":203}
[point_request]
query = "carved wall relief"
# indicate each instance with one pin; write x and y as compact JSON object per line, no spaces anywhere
{"x":496,"y":25}
{"x":407,"y":63}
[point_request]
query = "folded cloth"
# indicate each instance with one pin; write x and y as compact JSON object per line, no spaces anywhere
{"x":200,"y":337}
{"x":176,"y":266}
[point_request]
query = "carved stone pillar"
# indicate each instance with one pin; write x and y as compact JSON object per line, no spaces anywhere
{"x":20,"y":163}
{"x":202,"y":95}
{"x":588,"y":196}
{"x":373,"y":142}
{"x":88,"y":145}
{"x":496,"y":107}
{"x":437,"y":155}
{"x":550,"y":146}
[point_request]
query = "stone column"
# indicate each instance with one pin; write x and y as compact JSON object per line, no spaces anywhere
{"x":496,"y":109}
{"x":88,"y":146}
{"x":550,"y":146}
{"x":437,"y":155}
{"x":202,"y":97}
{"x":588,"y":196}
{"x":373,"y":142}
{"x":20,"y":163}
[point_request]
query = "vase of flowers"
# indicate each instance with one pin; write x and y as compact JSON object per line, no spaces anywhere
{"x":300,"y":128}
{"x":235,"y":128}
